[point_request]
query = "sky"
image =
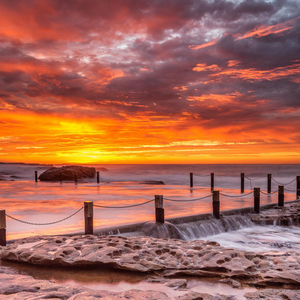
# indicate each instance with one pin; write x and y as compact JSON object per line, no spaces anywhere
{"x":181,"y":81}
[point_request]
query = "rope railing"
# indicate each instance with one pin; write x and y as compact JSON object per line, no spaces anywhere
{"x":202,"y":175}
{"x":284,"y":183}
{"x":236,"y":196}
{"x":187,"y":200}
{"x":266,"y":193}
{"x":292,"y":190}
{"x":42,"y":224}
{"x":127,"y":206}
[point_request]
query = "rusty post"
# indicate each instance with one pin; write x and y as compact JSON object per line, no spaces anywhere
{"x":159,"y":210}
{"x":2,"y":228}
{"x":216,"y":204}
{"x":256,"y":200}
{"x":36,"y":176}
{"x":281,"y":195}
{"x":98,"y":177}
{"x":191,"y":180}
{"x":75,"y":179}
{"x":88,"y":217}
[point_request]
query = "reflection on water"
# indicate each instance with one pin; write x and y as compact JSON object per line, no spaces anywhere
{"x":48,"y":202}
{"x":119,"y":281}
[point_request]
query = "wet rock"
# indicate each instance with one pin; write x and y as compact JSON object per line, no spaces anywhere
{"x":202,"y":296}
{"x":167,"y":257}
{"x":67,"y":173}
{"x":274,"y":294}
{"x":285,"y":216}
{"x":233,"y":283}
{"x":177,"y":283}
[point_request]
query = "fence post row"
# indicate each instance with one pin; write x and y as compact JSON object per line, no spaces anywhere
{"x":242,"y":183}
{"x":2,"y":228}
{"x":216,"y":204}
{"x":256,"y":200}
{"x":298,"y":187}
{"x":88,"y":217}
{"x":212,"y":181}
{"x":281,"y":195}
{"x":98,"y":177}
{"x":269,"y":183}
{"x":159,"y":210}
{"x":191,"y":180}
{"x":36,"y":176}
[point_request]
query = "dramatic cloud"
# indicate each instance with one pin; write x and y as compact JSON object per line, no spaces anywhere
{"x":149,"y":81}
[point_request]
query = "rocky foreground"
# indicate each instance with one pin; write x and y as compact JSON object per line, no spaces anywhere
{"x":164,"y":257}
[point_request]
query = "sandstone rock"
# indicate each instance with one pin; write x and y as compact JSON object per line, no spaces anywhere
{"x":177,"y":283}
{"x":286,"y":215}
{"x":166,"y":257}
{"x":67,"y":173}
{"x":274,"y":294}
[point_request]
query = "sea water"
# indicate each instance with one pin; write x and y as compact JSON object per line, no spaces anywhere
{"x":48,"y":202}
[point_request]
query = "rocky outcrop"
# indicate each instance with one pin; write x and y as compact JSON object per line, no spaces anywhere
{"x":287,"y":215}
{"x":67,"y":173}
{"x":164,"y":256}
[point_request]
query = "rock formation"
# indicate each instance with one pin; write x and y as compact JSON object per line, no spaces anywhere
{"x":287,"y":215}
{"x":67,"y":173}
{"x":164,"y":256}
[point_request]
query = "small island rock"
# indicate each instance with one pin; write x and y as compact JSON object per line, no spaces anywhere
{"x":67,"y":173}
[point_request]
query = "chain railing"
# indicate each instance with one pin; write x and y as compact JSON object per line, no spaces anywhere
{"x":187,"y":200}
{"x":126,"y":206}
{"x":43,"y":224}
{"x":284,"y":183}
{"x":236,"y":196}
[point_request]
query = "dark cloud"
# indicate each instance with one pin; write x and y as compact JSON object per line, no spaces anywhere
{"x":134,"y":56}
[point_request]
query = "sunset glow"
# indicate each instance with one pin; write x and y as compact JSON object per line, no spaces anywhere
{"x":149,"y":82}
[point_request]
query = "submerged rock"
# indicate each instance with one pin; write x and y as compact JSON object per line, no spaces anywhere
{"x":67,"y":173}
{"x":158,"y":182}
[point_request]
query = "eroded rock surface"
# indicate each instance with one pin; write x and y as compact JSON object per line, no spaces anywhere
{"x":274,"y":294}
{"x":67,"y":173}
{"x":165,"y":256}
{"x":287,"y":215}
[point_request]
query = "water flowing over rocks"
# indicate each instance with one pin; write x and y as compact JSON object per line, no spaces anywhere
{"x":163,"y":256}
{"x":287,"y":215}
{"x":67,"y":173}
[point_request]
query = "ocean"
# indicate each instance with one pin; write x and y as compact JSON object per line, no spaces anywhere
{"x":48,"y":202}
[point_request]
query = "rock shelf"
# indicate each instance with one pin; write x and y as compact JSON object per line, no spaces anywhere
{"x":287,"y":215}
{"x":167,"y":257}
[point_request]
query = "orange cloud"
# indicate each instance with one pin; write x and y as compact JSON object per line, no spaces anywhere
{"x":197,"y":47}
{"x":258,"y":75}
{"x":266,"y":30}
{"x":205,"y":67}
